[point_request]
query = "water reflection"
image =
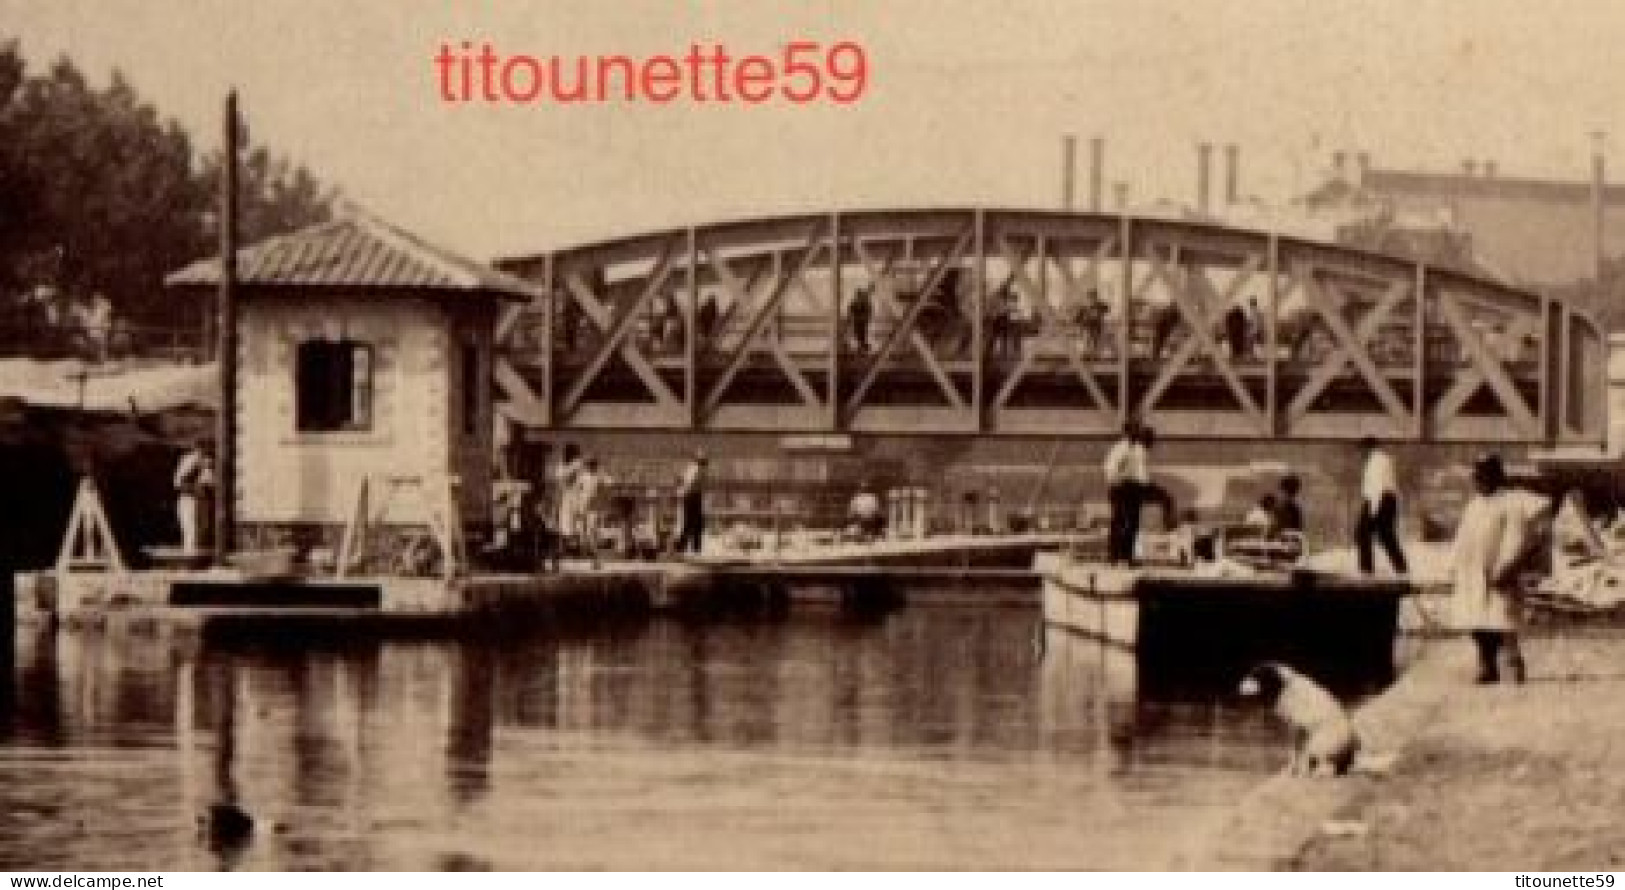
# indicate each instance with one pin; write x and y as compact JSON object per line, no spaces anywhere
{"x":919,"y":740}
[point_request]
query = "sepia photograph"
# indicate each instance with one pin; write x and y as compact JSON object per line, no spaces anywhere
{"x":833,"y":435}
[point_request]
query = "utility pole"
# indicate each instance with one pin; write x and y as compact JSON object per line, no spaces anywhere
{"x":1599,"y":202}
{"x":225,"y":332}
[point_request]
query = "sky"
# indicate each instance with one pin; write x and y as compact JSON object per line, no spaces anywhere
{"x":966,"y":104}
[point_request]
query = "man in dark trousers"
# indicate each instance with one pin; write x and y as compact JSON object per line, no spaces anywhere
{"x":691,"y":490}
{"x":1379,"y":508}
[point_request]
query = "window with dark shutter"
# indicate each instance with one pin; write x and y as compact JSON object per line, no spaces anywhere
{"x":333,"y":386}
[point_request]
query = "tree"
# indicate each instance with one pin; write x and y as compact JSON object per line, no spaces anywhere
{"x":99,"y":195}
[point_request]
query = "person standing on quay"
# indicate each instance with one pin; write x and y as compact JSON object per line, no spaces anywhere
{"x":567,"y":495}
{"x":1125,"y":474}
{"x":1491,"y":542}
{"x":194,"y":479}
{"x":691,"y":491}
{"x":1379,"y":508}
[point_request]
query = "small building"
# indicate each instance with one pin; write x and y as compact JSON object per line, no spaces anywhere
{"x":364,"y":354}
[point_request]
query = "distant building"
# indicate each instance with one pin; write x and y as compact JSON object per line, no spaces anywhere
{"x":1530,"y":232}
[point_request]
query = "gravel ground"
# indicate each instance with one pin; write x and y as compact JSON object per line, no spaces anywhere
{"x":1500,"y":778}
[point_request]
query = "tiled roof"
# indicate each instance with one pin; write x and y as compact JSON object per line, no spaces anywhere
{"x":357,"y":251}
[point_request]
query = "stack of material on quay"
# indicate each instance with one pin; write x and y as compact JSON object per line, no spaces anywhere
{"x":131,"y":387}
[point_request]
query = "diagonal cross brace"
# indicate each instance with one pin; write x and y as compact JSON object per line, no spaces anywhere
{"x":905,"y":324}
{"x":1201,"y":339}
{"x":617,"y":330}
{"x":1487,"y":366}
{"x":1350,"y":347}
{"x":1050,"y":331}
{"x":758,"y":322}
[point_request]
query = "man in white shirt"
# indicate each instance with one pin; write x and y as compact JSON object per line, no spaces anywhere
{"x":1126,"y":476}
{"x":1379,"y":508}
{"x":194,"y":481}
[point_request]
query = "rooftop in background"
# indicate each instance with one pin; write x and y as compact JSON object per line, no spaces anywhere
{"x":1532,"y":232}
{"x":357,"y":251}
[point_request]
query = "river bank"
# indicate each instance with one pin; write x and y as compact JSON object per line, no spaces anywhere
{"x":1500,"y":778}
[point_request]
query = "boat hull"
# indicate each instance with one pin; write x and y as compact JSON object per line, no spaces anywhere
{"x":1192,"y":631}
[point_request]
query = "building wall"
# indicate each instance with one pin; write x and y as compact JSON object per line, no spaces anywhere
{"x":287,"y":477}
{"x":1532,"y":231}
{"x":470,"y":437}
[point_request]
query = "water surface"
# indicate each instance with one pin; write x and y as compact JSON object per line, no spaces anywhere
{"x":936,"y":737}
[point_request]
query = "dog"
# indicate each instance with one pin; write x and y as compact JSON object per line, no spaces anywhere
{"x":1323,"y":738}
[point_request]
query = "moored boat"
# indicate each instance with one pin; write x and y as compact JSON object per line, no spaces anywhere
{"x":1207,"y":625}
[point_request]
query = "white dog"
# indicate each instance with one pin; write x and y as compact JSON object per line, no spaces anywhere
{"x":1323,"y":737}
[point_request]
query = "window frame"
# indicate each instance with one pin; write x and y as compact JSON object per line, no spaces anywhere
{"x":346,"y":403}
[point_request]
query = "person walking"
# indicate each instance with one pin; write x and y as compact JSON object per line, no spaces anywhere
{"x":1492,"y":540}
{"x":1125,"y":474}
{"x":1379,"y":509}
{"x":691,"y":493}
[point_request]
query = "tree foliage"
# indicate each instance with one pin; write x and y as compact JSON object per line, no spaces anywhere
{"x":99,"y":195}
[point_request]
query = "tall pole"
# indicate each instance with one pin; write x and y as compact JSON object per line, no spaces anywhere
{"x":225,"y":332}
{"x":1069,"y":172}
{"x":1204,"y":173}
{"x":1097,"y":171}
{"x":1599,"y":180}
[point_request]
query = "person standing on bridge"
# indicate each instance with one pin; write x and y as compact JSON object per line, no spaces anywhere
{"x":691,"y":492}
{"x":859,"y":312}
{"x":1379,"y":508}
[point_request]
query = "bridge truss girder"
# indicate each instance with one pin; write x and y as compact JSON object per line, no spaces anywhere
{"x":980,"y":322}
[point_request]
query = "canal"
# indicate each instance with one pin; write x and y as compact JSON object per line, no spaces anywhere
{"x":933,"y":737}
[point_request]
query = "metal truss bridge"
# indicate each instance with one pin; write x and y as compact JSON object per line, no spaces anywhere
{"x":1019,"y":322}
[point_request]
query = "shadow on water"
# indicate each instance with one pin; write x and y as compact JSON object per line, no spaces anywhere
{"x":524,"y":752}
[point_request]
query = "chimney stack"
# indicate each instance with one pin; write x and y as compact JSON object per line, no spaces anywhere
{"x":1362,"y":166}
{"x":1120,"y":195}
{"x":1489,"y":169}
{"x":1204,"y":172}
{"x":1340,"y":161}
{"x":1097,"y":170}
{"x":1232,"y":173}
{"x":1069,"y":172}
{"x":1469,"y":167}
